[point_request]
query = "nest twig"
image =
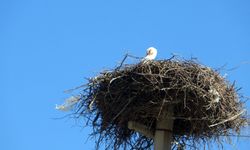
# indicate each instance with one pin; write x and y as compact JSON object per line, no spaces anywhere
{"x":205,"y":104}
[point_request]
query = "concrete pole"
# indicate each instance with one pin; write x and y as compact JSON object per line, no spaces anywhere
{"x":163,"y":133}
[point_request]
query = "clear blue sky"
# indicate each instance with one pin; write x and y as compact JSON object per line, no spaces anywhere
{"x":48,"y":46}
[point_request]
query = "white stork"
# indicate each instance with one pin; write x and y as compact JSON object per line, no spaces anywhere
{"x":151,"y":54}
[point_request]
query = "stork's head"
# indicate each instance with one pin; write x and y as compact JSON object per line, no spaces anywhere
{"x":151,"y":53}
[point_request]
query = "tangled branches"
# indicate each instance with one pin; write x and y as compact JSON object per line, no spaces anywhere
{"x":205,"y":104}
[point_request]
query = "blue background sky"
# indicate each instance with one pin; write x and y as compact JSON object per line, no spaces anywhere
{"x":48,"y":46}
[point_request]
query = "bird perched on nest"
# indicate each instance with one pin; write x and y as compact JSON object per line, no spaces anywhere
{"x":151,"y":54}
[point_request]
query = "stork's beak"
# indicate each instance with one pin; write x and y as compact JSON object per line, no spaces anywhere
{"x":149,"y":52}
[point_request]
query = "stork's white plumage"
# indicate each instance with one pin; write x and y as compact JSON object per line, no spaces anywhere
{"x":151,"y":54}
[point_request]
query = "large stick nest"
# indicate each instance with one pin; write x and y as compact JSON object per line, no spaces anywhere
{"x":205,"y":105}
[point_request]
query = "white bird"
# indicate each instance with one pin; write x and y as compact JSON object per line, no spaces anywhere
{"x":151,"y":54}
{"x":68,"y":104}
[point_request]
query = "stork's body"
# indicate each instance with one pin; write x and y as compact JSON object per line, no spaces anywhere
{"x":151,"y":54}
